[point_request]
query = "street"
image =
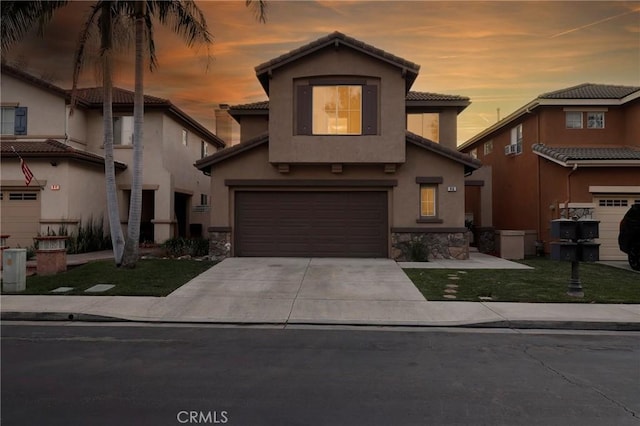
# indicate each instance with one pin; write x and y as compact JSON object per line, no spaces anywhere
{"x":96,"y":374}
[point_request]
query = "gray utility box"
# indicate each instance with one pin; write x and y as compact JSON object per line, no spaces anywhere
{"x":14,"y":270}
{"x":564,"y":250}
{"x":589,"y":252}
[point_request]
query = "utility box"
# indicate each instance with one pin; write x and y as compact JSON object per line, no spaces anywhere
{"x":14,"y":270}
{"x":589,"y":252}
{"x":588,"y":229}
{"x":564,"y":250}
{"x":565,"y":229}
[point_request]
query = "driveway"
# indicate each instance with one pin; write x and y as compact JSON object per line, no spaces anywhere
{"x":301,"y":290}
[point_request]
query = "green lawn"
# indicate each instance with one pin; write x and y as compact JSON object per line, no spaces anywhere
{"x":546,"y":283}
{"x":153,"y":277}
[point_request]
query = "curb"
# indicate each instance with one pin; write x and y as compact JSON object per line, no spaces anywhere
{"x":506,"y":324}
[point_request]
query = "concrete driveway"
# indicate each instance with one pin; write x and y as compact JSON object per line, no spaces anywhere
{"x":301,"y":290}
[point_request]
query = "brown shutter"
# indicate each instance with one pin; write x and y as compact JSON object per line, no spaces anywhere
{"x":303,"y":110}
{"x":369,"y":110}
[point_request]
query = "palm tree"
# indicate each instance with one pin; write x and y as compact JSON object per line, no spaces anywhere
{"x":189,"y":22}
{"x":19,"y":16}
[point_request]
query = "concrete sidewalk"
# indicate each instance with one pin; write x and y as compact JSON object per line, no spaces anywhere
{"x":296,"y":291}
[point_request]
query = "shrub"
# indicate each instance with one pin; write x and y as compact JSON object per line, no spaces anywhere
{"x":195,"y":247}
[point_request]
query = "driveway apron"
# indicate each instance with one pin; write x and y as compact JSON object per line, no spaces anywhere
{"x":299,"y":290}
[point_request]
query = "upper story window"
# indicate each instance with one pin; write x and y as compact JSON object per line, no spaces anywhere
{"x":185,"y":137}
{"x":595,"y":120}
{"x":573,"y":119}
{"x":488,"y":147}
{"x":13,"y":120}
{"x":123,"y":130}
{"x":337,"y":110}
{"x":204,"y":149}
{"x":426,"y":125}
{"x":340,"y":106}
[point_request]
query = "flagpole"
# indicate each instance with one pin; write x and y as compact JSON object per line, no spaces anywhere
{"x":33,"y":174}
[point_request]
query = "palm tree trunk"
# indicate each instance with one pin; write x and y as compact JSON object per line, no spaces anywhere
{"x":113,"y":210}
{"x":135,"y":205}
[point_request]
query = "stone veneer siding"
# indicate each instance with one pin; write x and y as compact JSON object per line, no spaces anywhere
{"x":422,"y":245}
{"x":219,"y":243}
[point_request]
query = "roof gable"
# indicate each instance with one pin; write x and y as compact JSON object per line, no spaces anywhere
{"x":336,"y":39}
{"x":35,"y":81}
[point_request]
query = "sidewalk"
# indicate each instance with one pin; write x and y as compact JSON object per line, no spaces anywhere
{"x":234,"y":293}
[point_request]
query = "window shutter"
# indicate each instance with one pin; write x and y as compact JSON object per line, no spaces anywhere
{"x":304,"y":110}
{"x":370,"y":110}
{"x":20,"y":127}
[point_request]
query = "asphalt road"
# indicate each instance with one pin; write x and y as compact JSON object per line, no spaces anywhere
{"x":137,"y":375}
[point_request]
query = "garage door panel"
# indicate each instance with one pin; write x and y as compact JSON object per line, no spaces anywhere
{"x":609,"y":210}
{"x":20,"y":215}
{"x":336,"y":224}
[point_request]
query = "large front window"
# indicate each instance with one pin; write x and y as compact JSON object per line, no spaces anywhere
{"x":337,"y":110}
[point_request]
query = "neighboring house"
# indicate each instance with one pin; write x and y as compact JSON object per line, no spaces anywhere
{"x":575,"y":148}
{"x":65,"y":153}
{"x":327,"y":167}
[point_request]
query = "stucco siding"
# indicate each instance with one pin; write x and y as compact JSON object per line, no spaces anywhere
{"x":385,"y":147}
{"x":46,"y":111}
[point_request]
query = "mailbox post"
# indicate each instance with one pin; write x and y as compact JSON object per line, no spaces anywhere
{"x":576,"y":245}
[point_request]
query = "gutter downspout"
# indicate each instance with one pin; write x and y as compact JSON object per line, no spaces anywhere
{"x":566,"y":203}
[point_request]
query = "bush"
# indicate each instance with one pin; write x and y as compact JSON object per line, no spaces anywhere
{"x":195,"y":247}
{"x":415,"y":250}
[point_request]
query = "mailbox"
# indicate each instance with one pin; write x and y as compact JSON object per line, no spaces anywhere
{"x":564,"y":250}
{"x":565,"y":229}
{"x":588,"y":229}
{"x":589,"y":252}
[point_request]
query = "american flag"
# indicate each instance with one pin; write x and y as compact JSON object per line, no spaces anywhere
{"x":28,"y":174}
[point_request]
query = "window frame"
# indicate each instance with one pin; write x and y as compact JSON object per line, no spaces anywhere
{"x":602,"y":123}
{"x":433,"y":187}
{"x":303,"y":106}
{"x":571,"y":124}
{"x":488,"y":147}
{"x":119,"y":140}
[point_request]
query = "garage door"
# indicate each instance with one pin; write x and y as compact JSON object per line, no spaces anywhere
{"x":20,"y":217}
{"x":305,"y":224}
{"x":609,"y":211}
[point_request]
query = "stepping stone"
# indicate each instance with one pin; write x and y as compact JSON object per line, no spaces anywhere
{"x":453,"y":277}
{"x":62,"y":290}
{"x":450,"y":290}
{"x":451,"y":285}
{"x":485,"y":298}
{"x":449,"y":296}
{"x":99,"y":288}
{"x":462,"y":272}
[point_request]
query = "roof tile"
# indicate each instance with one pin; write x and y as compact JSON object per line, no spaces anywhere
{"x":591,"y":91}
{"x":582,"y":153}
{"x":50,"y":149}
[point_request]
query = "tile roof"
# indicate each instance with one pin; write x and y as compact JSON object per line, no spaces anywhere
{"x":411,"y":96}
{"x":336,"y":38}
{"x":428,"y":96}
{"x":94,"y":95}
{"x":469,"y":162}
{"x":51,"y":149}
{"x":588,"y":153}
{"x":591,"y":91}
{"x":24,"y":76}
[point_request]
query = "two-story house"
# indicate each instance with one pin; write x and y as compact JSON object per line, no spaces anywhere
{"x":571,"y":152}
{"x":65,"y":153}
{"x":327,"y":167}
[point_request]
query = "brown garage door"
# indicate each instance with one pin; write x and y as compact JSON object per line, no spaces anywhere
{"x":20,"y":214}
{"x":320,"y":224}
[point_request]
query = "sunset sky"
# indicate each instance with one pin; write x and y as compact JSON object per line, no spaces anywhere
{"x":500,"y":54}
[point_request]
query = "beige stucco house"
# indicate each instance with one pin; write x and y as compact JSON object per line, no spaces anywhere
{"x":65,"y":153}
{"x":327,"y":166}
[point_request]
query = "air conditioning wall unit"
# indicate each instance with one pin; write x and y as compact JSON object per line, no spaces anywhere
{"x":510,"y":150}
